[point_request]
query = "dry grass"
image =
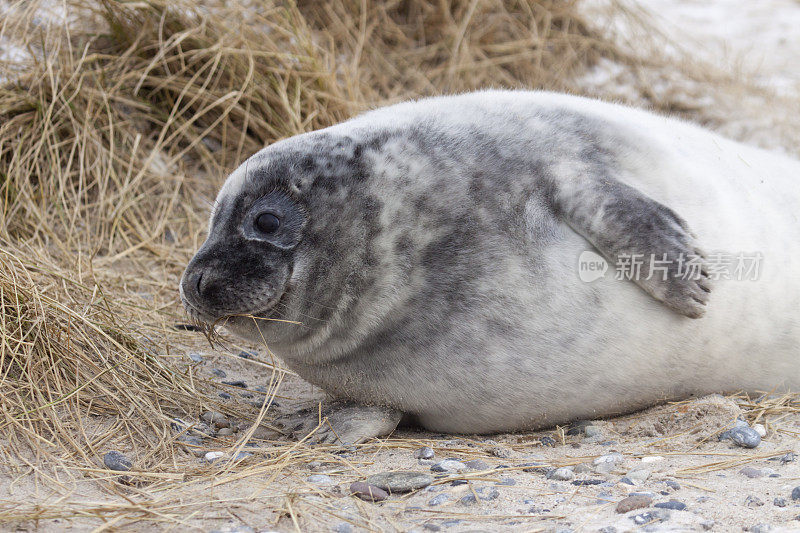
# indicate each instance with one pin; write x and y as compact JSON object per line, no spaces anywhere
{"x":115,"y":132}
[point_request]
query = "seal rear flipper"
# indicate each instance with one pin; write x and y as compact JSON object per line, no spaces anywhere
{"x":647,"y":242}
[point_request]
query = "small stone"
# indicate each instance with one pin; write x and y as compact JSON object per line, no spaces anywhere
{"x":745,"y":437}
{"x":488,"y":493}
{"x":210,"y":457}
{"x":656,"y":515}
{"x":627,"y":481}
{"x":638,"y":476}
{"x":399,"y":482}
{"x":242,"y":456}
{"x":368,"y":492}
{"x":796,"y":493}
{"x":469,"y":499}
{"x":592,"y":431}
{"x":548,"y":441}
{"x":449,"y":466}
{"x":236,"y":383}
{"x":219,"y":373}
{"x":606,"y":463}
{"x":780,"y":502}
{"x":633,"y":502}
{"x":753,"y":501}
{"x":608,"y":529}
{"x":320,"y":479}
{"x":564,"y":473}
{"x":225,"y":395}
{"x":216,"y":418}
{"x":534,"y":468}
{"x":430,"y":526}
{"x":477,"y":464}
{"x":584,"y":482}
{"x":500,"y":451}
{"x":674,"y":485}
{"x":244,"y":354}
{"x":760,"y":528}
{"x":225,"y":432}
{"x":424,"y":453}
{"x":673,"y":505}
{"x":196,"y":358}
{"x":118,"y":461}
{"x":506,"y":482}
{"x":582,"y":468}
{"x":760,"y":429}
{"x":707,"y":524}
{"x":788,"y":458}
{"x":652,"y":459}
{"x":751,"y":472}
{"x":439,"y":500}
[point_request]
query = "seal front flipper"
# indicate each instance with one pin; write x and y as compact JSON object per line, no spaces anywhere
{"x":342,"y":422}
{"x":646,"y":241}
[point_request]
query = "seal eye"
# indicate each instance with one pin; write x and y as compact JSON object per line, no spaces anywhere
{"x":267,"y":223}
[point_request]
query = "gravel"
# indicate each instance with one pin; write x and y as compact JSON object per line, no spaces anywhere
{"x":118,"y":461}
{"x":448,"y":466}
{"x":424,"y":453}
{"x":216,"y":418}
{"x":673,"y":505}
{"x":368,"y":492}
{"x":796,"y":493}
{"x":633,"y":502}
{"x":564,"y":473}
{"x":399,"y":482}
{"x":320,"y":479}
{"x":745,"y":437}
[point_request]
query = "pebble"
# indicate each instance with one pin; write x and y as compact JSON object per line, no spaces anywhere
{"x":320,"y":479}
{"x":753,"y":501}
{"x":548,"y":441}
{"x":197,"y":358}
{"x":582,"y":468}
{"x":210,"y":457}
{"x":606,"y":463}
{"x":500,"y":451}
{"x":225,"y":432}
{"x":225,"y":396}
{"x":469,"y":499}
{"x":236,"y":383}
{"x":582,"y":482}
{"x":751,"y":472}
{"x":652,"y":459}
{"x":780,"y":502}
{"x":592,"y":431}
{"x":424,"y":453}
{"x":608,"y":529}
{"x":430,"y":526}
{"x":674,"y":485}
{"x":368,"y":492}
{"x":488,"y":493}
{"x":247,"y":355}
{"x":448,"y":466}
{"x":745,"y":437}
{"x":564,"y":473}
{"x":796,"y":493}
{"x":219,"y":373}
{"x":673,"y":505}
{"x":633,"y":502}
{"x":638,"y":476}
{"x":216,"y":418}
{"x":242,"y":455}
{"x":118,"y":461}
{"x":506,"y":481}
{"x":656,"y":515}
{"x":534,"y":468}
{"x":398,"y":482}
{"x":439,"y":500}
{"x":759,"y":528}
{"x":707,"y":524}
{"x":477,"y":464}
{"x":760,"y":429}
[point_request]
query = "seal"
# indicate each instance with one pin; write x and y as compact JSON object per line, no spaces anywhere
{"x":427,"y":259}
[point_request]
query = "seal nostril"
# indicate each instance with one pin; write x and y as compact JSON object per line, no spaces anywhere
{"x":197,"y":283}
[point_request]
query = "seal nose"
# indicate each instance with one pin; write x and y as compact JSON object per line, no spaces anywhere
{"x":192,"y":286}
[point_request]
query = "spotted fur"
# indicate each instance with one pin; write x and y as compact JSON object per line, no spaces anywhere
{"x":435,"y":271}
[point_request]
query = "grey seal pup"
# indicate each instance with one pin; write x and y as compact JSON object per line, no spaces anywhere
{"x":425,"y":259}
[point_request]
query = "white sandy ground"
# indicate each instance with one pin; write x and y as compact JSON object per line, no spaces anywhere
{"x":674,"y":442}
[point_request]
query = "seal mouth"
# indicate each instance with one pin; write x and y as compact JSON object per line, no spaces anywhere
{"x":208,"y":321}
